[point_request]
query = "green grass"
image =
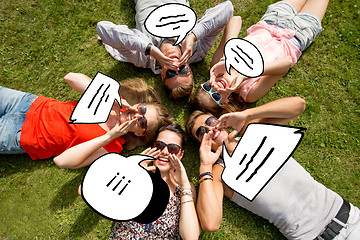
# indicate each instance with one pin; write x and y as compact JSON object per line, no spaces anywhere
{"x":43,"y":40}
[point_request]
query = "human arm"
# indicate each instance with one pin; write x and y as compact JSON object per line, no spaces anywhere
{"x":187,"y":48}
{"x":210,"y":197}
{"x":189,"y":226}
{"x":77,"y":81}
{"x":280,"y":111}
{"x":85,"y":153}
{"x":232,"y":30}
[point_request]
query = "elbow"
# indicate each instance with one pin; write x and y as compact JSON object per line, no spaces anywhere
{"x":69,"y":77}
{"x":301,"y":104}
{"x":61,"y":163}
{"x":210,"y":226}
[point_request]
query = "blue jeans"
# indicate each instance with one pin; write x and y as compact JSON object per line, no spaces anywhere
{"x":13,"y":108}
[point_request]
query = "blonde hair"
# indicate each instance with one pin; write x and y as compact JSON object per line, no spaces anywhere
{"x":235,"y":104}
{"x":137,"y":91}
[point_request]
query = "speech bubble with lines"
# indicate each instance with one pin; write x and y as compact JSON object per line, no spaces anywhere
{"x":244,"y":57}
{"x":120,"y":189}
{"x":259,"y":155}
{"x":172,"y":20}
{"x":96,"y":102}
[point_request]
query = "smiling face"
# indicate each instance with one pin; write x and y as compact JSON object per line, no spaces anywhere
{"x":168,"y":137}
{"x":179,"y":79}
{"x":219,"y":135}
{"x":151,"y":116}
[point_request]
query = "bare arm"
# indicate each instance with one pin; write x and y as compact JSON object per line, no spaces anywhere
{"x":210,"y":199}
{"x":85,"y":153}
{"x":280,"y":111}
{"x":279,"y":66}
{"x":232,"y":30}
{"x":78,"y":81}
{"x":189,"y":226}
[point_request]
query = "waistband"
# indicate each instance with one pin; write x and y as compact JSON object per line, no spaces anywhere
{"x":336,"y":224}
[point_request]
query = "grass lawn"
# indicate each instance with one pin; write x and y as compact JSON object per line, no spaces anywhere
{"x":42,"y":40}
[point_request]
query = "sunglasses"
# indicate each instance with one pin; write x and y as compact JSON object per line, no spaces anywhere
{"x":142,"y":122}
{"x":216,"y":96}
{"x":172,"y":147}
{"x":211,"y":122}
{"x":171,"y":73}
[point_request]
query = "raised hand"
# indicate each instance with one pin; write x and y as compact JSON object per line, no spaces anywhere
{"x":178,"y":172}
{"x":207,"y":157}
{"x":236,"y":120}
{"x":187,"y":48}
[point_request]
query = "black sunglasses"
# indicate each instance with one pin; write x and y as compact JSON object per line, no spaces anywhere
{"x":142,"y":122}
{"x":211,"y":122}
{"x":172,"y":147}
{"x":171,"y":73}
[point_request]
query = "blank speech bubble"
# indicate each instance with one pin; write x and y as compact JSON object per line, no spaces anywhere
{"x":96,"y":102}
{"x":172,"y":20}
{"x":120,"y":189}
{"x":258,"y":156}
{"x":244,"y":57}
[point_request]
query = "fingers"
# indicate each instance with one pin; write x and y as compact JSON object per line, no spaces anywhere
{"x":152,"y":152}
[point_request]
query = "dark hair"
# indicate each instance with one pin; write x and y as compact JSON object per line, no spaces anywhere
{"x":176,"y":128}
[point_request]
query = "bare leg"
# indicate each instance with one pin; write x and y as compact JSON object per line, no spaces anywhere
{"x":297,"y":4}
{"x":316,"y":7}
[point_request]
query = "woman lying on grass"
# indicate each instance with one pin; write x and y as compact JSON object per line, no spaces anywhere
{"x":292,"y":200}
{"x":283,"y":33}
{"x":39,"y":126}
{"x":179,"y":219}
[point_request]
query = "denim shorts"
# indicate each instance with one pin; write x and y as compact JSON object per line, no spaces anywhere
{"x":13,"y":108}
{"x":306,"y":26}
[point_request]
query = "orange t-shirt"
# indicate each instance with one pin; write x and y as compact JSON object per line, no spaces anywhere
{"x":46,"y":131}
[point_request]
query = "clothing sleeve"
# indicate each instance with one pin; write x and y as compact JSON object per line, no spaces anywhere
{"x":124,"y":44}
{"x":115,"y":145}
{"x":209,"y":27}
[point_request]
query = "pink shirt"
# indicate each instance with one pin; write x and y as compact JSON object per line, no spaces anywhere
{"x":273,"y":42}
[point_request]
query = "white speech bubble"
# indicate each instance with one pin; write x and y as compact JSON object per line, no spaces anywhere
{"x":96,"y":102}
{"x":261,"y":152}
{"x":117,"y":187}
{"x":244,"y":57}
{"x":172,"y":20}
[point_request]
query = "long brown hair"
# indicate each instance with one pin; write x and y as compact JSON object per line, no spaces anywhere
{"x":137,"y":91}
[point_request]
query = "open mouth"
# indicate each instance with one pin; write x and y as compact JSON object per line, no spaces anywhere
{"x":221,"y":83}
{"x":216,"y":135}
{"x":129,"y":116}
{"x":164,"y":160}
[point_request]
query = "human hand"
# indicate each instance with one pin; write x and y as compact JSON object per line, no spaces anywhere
{"x":217,"y":71}
{"x":178,"y":172}
{"x":164,"y":61}
{"x":187,"y":48}
{"x":236,"y":120}
{"x":121,"y":129}
{"x":207,"y":157}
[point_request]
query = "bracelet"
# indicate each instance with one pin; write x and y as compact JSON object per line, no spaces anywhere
{"x":222,"y":59}
{"x":186,"y":193}
{"x":148,"y":48}
{"x":204,"y":179}
{"x":204,"y":174}
{"x":187,"y":201}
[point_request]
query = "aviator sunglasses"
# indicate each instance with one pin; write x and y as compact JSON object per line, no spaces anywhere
{"x":172,"y":147}
{"x":216,"y":96}
{"x":211,"y":122}
{"x":142,"y":122}
{"x":171,"y":73}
